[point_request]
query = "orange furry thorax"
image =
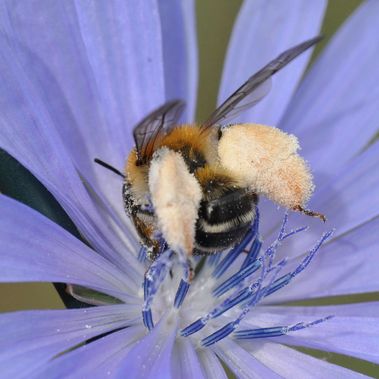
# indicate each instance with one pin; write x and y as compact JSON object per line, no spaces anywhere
{"x":190,"y":136}
{"x":179,"y":138}
{"x":183,"y":135}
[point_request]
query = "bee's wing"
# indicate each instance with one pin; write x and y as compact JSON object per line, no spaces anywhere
{"x":159,"y":121}
{"x":256,"y":87}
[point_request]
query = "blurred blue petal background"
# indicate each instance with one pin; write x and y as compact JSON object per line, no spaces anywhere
{"x":214,"y":22}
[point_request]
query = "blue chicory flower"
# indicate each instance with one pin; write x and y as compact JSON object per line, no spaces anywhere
{"x":75,"y":78}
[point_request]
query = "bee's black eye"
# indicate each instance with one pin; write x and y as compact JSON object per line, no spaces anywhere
{"x":219,"y":134}
{"x":193,"y":158}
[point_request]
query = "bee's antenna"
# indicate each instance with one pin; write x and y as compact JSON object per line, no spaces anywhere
{"x":109,"y":167}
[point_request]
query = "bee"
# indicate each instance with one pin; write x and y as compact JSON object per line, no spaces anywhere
{"x":195,"y":187}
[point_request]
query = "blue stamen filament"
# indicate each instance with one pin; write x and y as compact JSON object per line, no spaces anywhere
{"x":235,"y":279}
{"x":213,"y":259}
{"x":142,"y":254}
{"x":184,"y":284}
{"x":233,"y":254}
{"x":252,"y":253}
{"x":257,"y":296}
{"x":276,"y":331}
{"x":147,"y":318}
{"x":154,"y":276}
{"x":246,"y":292}
{"x":181,"y":293}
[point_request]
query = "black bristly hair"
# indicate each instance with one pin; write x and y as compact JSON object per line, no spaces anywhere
{"x":109,"y":167}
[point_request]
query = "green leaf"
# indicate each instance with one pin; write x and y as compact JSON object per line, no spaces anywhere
{"x":17,"y":182}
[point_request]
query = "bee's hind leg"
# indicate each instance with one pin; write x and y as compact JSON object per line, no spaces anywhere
{"x":308,"y":212}
{"x":191,"y":270}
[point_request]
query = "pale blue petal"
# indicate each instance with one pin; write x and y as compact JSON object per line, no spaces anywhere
{"x":97,"y":360}
{"x":27,"y":132}
{"x":242,"y":363}
{"x":263,"y":30}
{"x":347,"y":265}
{"x":348,"y":201}
{"x":353,"y":331}
{"x":97,"y":69}
{"x":151,"y":356}
{"x":185,"y":360}
{"x":335,"y":111}
{"x":212,"y":365}
{"x":106,"y":58}
{"x":30,"y":339}
{"x":33,"y":248}
{"x":289,"y":363}
{"x":351,"y":198}
{"x":180,"y":52}
{"x":369,"y":309}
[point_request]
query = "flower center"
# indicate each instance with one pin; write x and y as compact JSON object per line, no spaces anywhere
{"x":226,"y":288}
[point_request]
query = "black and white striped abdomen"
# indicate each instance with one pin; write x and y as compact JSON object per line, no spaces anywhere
{"x":224,"y":221}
